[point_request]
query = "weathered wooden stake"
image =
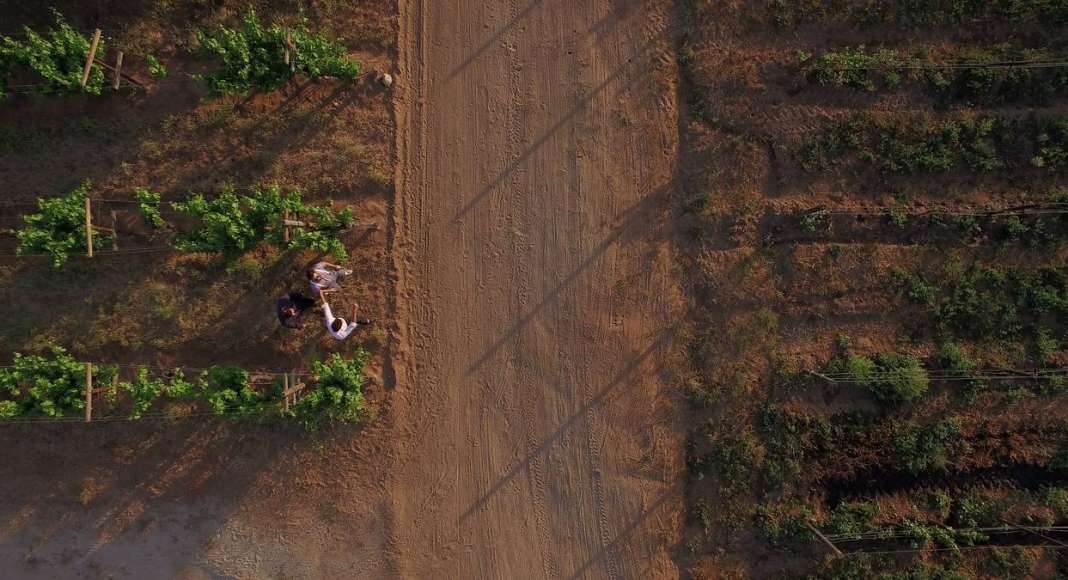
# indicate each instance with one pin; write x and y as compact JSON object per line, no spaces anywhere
{"x":291,"y":59}
{"x":285,"y":226}
{"x":92,"y":55}
{"x":285,"y":391}
{"x":114,"y":231}
{"x":88,"y":392}
{"x":89,"y":226}
{"x":118,"y":70}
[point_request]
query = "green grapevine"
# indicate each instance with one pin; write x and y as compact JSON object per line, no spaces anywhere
{"x":58,"y":229}
{"x":253,"y":56}
{"x":58,"y":56}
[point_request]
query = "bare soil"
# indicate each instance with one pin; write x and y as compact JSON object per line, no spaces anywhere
{"x":528,"y":417}
{"x":537,"y":432}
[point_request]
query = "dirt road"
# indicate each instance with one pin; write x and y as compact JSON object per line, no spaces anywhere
{"x":536,"y":434}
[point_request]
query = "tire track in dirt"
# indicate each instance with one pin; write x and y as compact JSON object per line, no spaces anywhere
{"x":536,"y":306}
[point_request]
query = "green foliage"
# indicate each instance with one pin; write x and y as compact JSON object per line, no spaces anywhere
{"x":52,"y":386}
{"x":1050,"y":143}
{"x":791,"y":439}
{"x":738,"y":457}
{"x":337,"y":396}
{"x":974,"y":510}
{"x":914,"y":287}
{"x":148,"y":205}
{"x":870,"y":70}
{"x":891,"y":377}
{"x":991,"y":303}
{"x":928,"y":447}
{"x":233,"y":224}
{"x":58,"y":229}
{"x":57,"y":56}
{"x":784,"y":525}
{"x":252,"y":56}
{"x":903,"y":145}
{"x":901,"y":378}
{"x":9,"y":409}
{"x":952,"y":357}
{"x":851,"y":518}
{"x":155,"y":67}
{"x":924,"y":535}
{"x":227,"y":390}
{"x":1056,"y":498}
{"x":814,"y":221}
{"x":143,"y":392}
{"x":1010,"y":563}
{"x":856,"y":68}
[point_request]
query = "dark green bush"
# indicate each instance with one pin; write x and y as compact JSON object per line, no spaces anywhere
{"x":922,"y":448}
{"x":337,"y":394}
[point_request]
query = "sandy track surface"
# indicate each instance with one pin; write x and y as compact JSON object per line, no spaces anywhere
{"x":536,"y":436}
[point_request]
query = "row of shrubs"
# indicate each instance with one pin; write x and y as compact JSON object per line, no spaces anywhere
{"x":937,"y":518}
{"x":991,"y":304}
{"x":249,"y":57}
{"x":1031,"y":230}
{"x":53,"y":386}
{"x":229,"y":224}
{"x":907,"y":145}
{"x":869,"y":70}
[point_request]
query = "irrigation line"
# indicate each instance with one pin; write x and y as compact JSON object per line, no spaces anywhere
{"x":187,"y":368}
{"x":898,"y":533}
{"x":1007,"y":64}
{"x":122,"y":419}
{"x":958,"y":549}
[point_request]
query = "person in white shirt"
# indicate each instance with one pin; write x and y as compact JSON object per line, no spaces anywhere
{"x":325,"y":277}
{"x":340,"y":328}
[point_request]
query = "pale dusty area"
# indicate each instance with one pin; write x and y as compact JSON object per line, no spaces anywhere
{"x":540,"y":437}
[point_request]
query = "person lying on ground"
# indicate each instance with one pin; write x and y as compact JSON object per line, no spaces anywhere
{"x":290,"y":308}
{"x":325,"y":277}
{"x":340,"y":328}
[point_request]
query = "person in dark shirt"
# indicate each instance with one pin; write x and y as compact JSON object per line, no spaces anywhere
{"x":290,"y":308}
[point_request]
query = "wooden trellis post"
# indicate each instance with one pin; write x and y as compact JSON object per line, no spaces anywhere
{"x":118,"y":70}
{"x":92,"y":57}
{"x":285,"y":225}
{"x":293,"y":388}
{"x":285,"y":389}
{"x":88,"y":392}
{"x":114,"y":229}
{"x":89,"y":224}
{"x":291,"y":53}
